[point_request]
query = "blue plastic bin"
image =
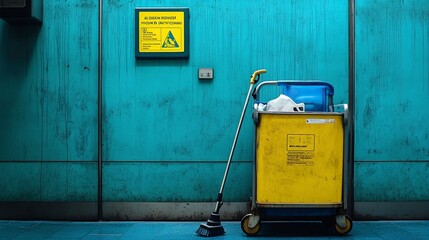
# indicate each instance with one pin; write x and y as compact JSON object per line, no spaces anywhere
{"x":317,"y":96}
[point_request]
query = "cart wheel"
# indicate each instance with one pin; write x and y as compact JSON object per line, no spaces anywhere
{"x":344,"y":230}
{"x":251,"y":231}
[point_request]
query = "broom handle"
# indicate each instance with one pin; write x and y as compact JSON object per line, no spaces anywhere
{"x":254,"y":79}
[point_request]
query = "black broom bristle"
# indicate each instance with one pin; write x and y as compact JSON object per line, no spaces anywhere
{"x":212,"y":227}
{"x":210,"y":231}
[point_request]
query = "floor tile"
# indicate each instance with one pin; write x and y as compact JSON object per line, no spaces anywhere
{"x":362,"y":230}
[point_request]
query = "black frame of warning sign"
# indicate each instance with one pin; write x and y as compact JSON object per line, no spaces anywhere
{"x":182,"y":54}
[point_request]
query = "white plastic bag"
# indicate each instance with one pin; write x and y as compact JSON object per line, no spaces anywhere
{"x":284,"y":104}
{"x":261,"y":107}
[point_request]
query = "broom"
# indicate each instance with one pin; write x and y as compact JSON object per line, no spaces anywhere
{"x":213,"y":226}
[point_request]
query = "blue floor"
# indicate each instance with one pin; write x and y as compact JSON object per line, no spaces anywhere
{"x":374,"y":230}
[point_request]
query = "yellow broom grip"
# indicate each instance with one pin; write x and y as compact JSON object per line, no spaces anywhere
{"x":255,"y":75}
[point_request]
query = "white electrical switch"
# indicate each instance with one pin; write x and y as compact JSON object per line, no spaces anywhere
{"x":205,"y":73}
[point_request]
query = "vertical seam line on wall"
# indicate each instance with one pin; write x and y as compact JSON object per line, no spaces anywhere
{"x":100,"y":114}
{"x":352,"y":82}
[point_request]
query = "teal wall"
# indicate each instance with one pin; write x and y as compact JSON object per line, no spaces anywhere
{"x":166,"y":134}
{"x":392,"y":92}
{"x":48,"y":98}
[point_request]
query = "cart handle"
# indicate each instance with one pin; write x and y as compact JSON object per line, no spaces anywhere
{"x":294,"y":82}
{"x":255,"y":76}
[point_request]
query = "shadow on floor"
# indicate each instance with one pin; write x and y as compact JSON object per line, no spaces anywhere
{"x":294,"y":229}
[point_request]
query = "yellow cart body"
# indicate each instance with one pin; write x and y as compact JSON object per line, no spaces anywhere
{"x":299,"y":159}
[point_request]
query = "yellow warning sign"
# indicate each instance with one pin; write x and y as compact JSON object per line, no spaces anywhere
{"x":161,"y":31}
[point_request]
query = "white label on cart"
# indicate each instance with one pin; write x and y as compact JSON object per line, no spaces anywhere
{"x":319,"y":121}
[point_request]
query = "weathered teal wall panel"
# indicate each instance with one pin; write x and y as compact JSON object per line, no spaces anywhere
{"x":391,"y":182}
{"x":20,"y":181}
{"x":392,"y":80}
{"x":174,"y":182}
{"x":48,"y":98}
{"x":74,"y":181}
{"x":20,"y":134}
{"x":48,"y":181}
{"x":159,"y":110}
{"x":48,"y":86}
{"x":392,"y":91}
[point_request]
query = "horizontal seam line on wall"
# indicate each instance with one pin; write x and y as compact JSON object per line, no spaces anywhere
{"x":125,"y":161}
{"x":181,"y":161}
{"x":391,"y":161}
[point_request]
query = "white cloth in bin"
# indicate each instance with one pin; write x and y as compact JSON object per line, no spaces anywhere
{"x":261,"y":107}
{"x":284,"y":104}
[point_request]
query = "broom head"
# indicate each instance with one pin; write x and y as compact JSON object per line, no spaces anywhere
{"x":212,"y":227}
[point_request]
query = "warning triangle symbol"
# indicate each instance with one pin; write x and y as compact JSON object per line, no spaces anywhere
{"x":170,"y":41}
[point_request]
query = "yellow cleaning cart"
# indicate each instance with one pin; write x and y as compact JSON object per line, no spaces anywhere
{"x":300,"y":164}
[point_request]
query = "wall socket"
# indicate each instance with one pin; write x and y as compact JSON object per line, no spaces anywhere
{"x":205,"y":73}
